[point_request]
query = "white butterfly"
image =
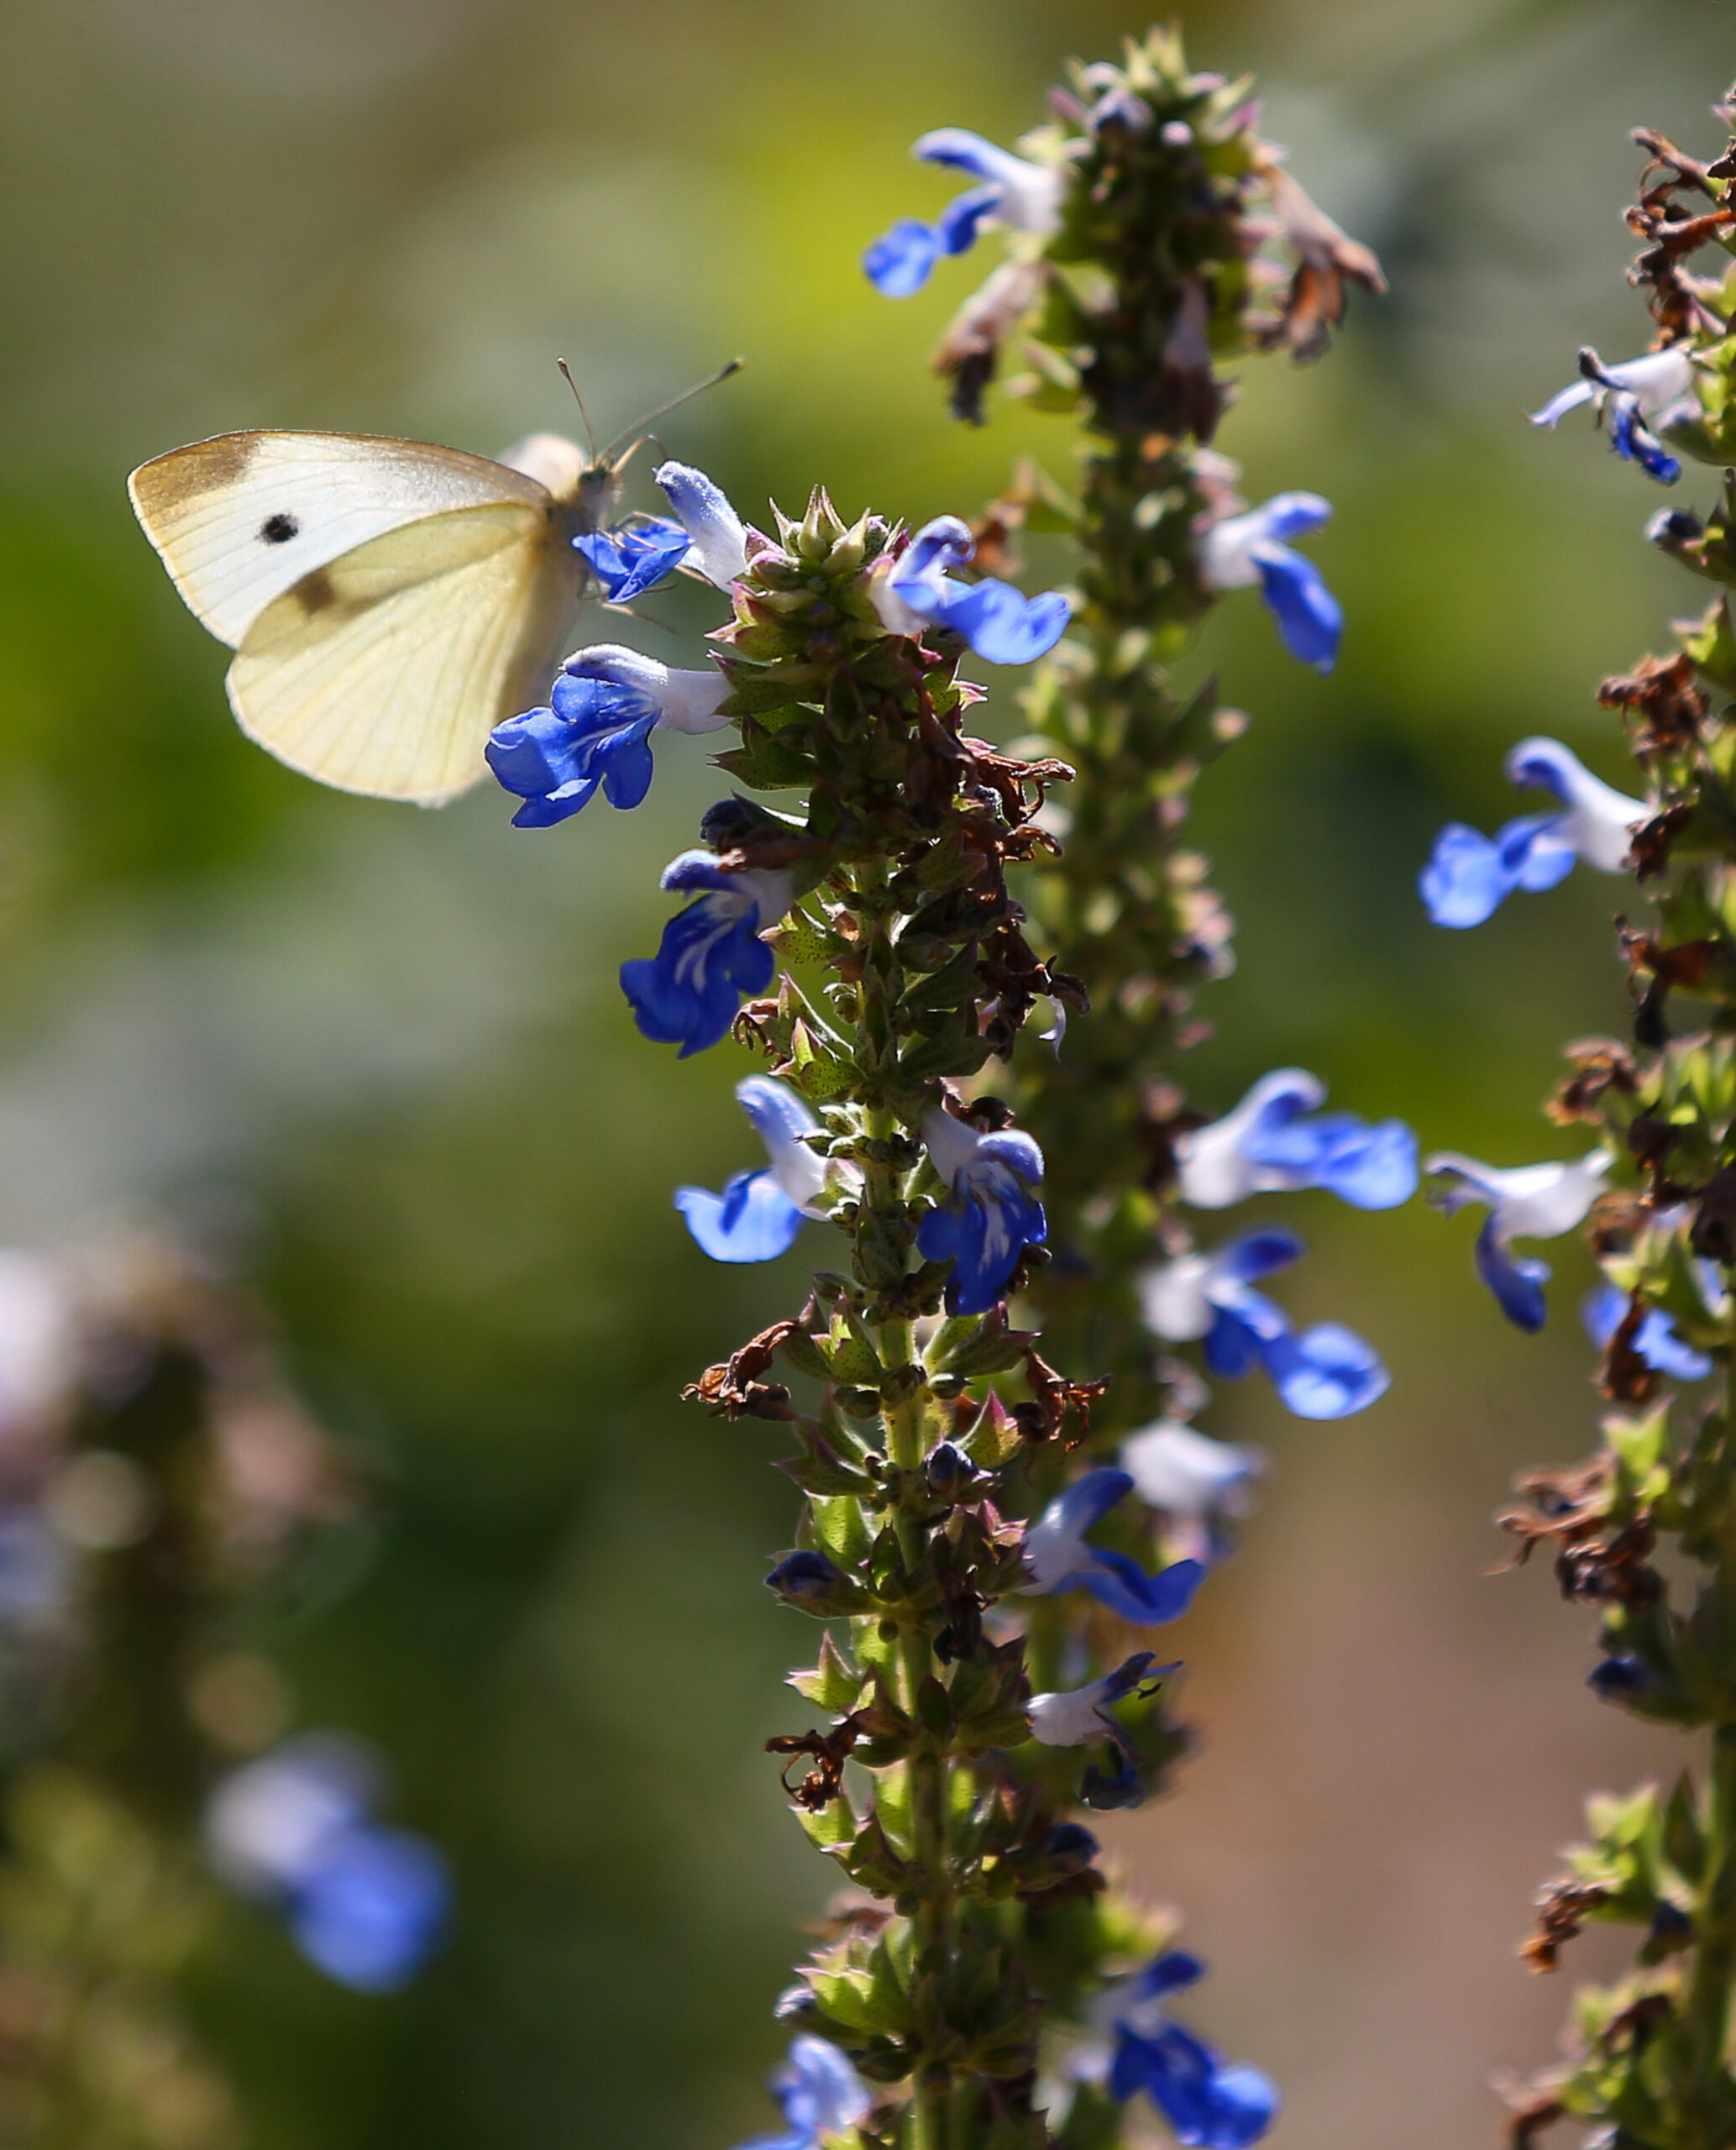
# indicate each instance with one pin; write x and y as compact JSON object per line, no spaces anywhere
{"x":388,"y":602}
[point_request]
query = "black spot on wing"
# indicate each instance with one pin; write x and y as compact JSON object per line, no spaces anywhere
{"x":278,"y":529}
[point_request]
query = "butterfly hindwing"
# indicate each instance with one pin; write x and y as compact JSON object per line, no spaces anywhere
{"x":384,"y":671}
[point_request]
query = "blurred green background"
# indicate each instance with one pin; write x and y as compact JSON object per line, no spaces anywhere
{"x":389,"y":1043}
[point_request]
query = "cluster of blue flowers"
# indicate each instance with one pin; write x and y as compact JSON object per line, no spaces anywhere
{"x":365,"y":1903}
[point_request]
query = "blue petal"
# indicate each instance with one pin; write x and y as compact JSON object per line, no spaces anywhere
{"x":753,"y":1219}
{"x":687,"y":994}
{"x":1656,"y":1340}
{"x":1516,"y":1280}
{"x":1259,"y":1254}
{"x":1534,"y":853}
{"x":1207,"y":2106}
{"x":1088,"y":1501}
{"x":1326,"y":1372}
{"x":982,"y":1231}
{"x":1168,"y":1974}
{"x":1310,"y":618}
{"x":962,"y":218}
{"x":628,"y":562}
{"x":1231,"y":1348}
{"x":373,"y":1909}
{"x":1464,"y":882}
{"x":1002,"y":625}
{"x":900,"y":263}
{"x":1141,"y":1600}
{"x":1370,"y":1167}
{"x":1630,"y":438}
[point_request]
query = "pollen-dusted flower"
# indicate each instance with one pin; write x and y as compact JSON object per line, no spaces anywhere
{"x":819,"y":2093}
{"x":1640,"y":397}
{"x":1469,"y":875}
{"x":1057,"y":1557}
{"x":758,"y":1214}
{"x":1011,"y":192}
{"x":1327,"y":1371}
{"x":364,"y":1904}
{"x":1208,"y":2105}
{"x":702,"y":507}
{"x":596,"y":731}
{"x":628,"y":561}
{"x":912,"y":590}
{"x":1275,"y":1141}
{"x":1526,"y":1202}
{"x":989,"y":1214}
{"x":710,"y":954}
{"x":1242,"y":550}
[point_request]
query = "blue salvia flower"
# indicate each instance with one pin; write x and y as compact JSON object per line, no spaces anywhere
{"x":718,"y":534}
{"x":1080,"y":1714}
{"x":758,"y":1214}
{"x":1656,"y":1340}
{"x":1057,"y":1557}
{"x":596,"y":731}
{"x":1011,"y":192}
{"x":988,"y":1215}
{"x":1194,"y":1483}
{"x":1208,"y":2105}
{"x":1270,"y":1145}
{"x":912,"y":591}
{"x":1242,"y":550}
{"x":819,"y":2093}
{"x":1641,"y":396}
{"x":1327,"y":1371}
{"x":365,"y":1904}
{"x":710,"y":954}
{"x":1533,"y":1201}
{"x":1469,"y":875}
{"x":630,"y":560}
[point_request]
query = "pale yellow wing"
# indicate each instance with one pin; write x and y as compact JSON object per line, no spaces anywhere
{"x":384,"y":671}
{"x":241,"y":519}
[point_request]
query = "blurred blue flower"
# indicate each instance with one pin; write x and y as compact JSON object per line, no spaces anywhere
{"x":1642,"y":396}
{"x":1057,"y":1557}
{"x":605,"y":703}
{"x":1011,"y":192}
{"x":719,"y":536}
{"x":1619,"y":1674}
{"x":758,"y":1214}
{"x":818,"y":2091}
{"x":1208,"y":2106}
{"x":1656,"y":1340}
{"x":1469,"y":874}
{"x":1327,"y":1371}
{"x":913,"y":591}
{"x":365,"y":1904}
{"x":1268,"y":1144}
{"x":1244,"y":549}
{"x":1194,"y":1483}
{"x":710,"y":954}
{"x":1534,"y":1202}
{"x":990,"y":1214}
{"x":630,"y":560}
{"x":1077,"y":1718}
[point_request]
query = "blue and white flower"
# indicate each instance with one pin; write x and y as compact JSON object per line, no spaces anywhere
{"x":1011,"y":192}
{"x":1527,"y":1202}
{"x":605,"y":704}
{"x":635,"y":557}
{"x":1208,"y":2105}
{"x":912,"y":591}
{"x":718,"y":534}
{"x":710,"y":954}
{"x":1242,"y":550}
{"x":758,"y":1214}
{"x":1268,"y":1144}
{"x":987,"y":1216}
{"x":1057,"y":1559}
{"x":1194,"y":1483}
{"x":1469,"y":875}
{"x":1076,"y":1718}
{"x":1656,"y":1340}
{"x":819,"y":2093}
{"x":1641,"y":397}
{"x":365,"y":1904}
{"x":1327,"y":1371}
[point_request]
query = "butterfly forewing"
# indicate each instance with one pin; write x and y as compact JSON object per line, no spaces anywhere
{"x":384,"y":672}
{"x":241,"y":519}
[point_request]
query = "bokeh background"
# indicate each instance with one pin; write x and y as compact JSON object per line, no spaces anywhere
{"x":385,"y":1045}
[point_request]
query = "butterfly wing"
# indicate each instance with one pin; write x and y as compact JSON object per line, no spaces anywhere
{"x":390,"y":601}
{"x":384,"y":671}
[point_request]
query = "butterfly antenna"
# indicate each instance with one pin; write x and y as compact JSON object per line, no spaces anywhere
{"x":566,"y":375}
{"x":674,"y":403}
